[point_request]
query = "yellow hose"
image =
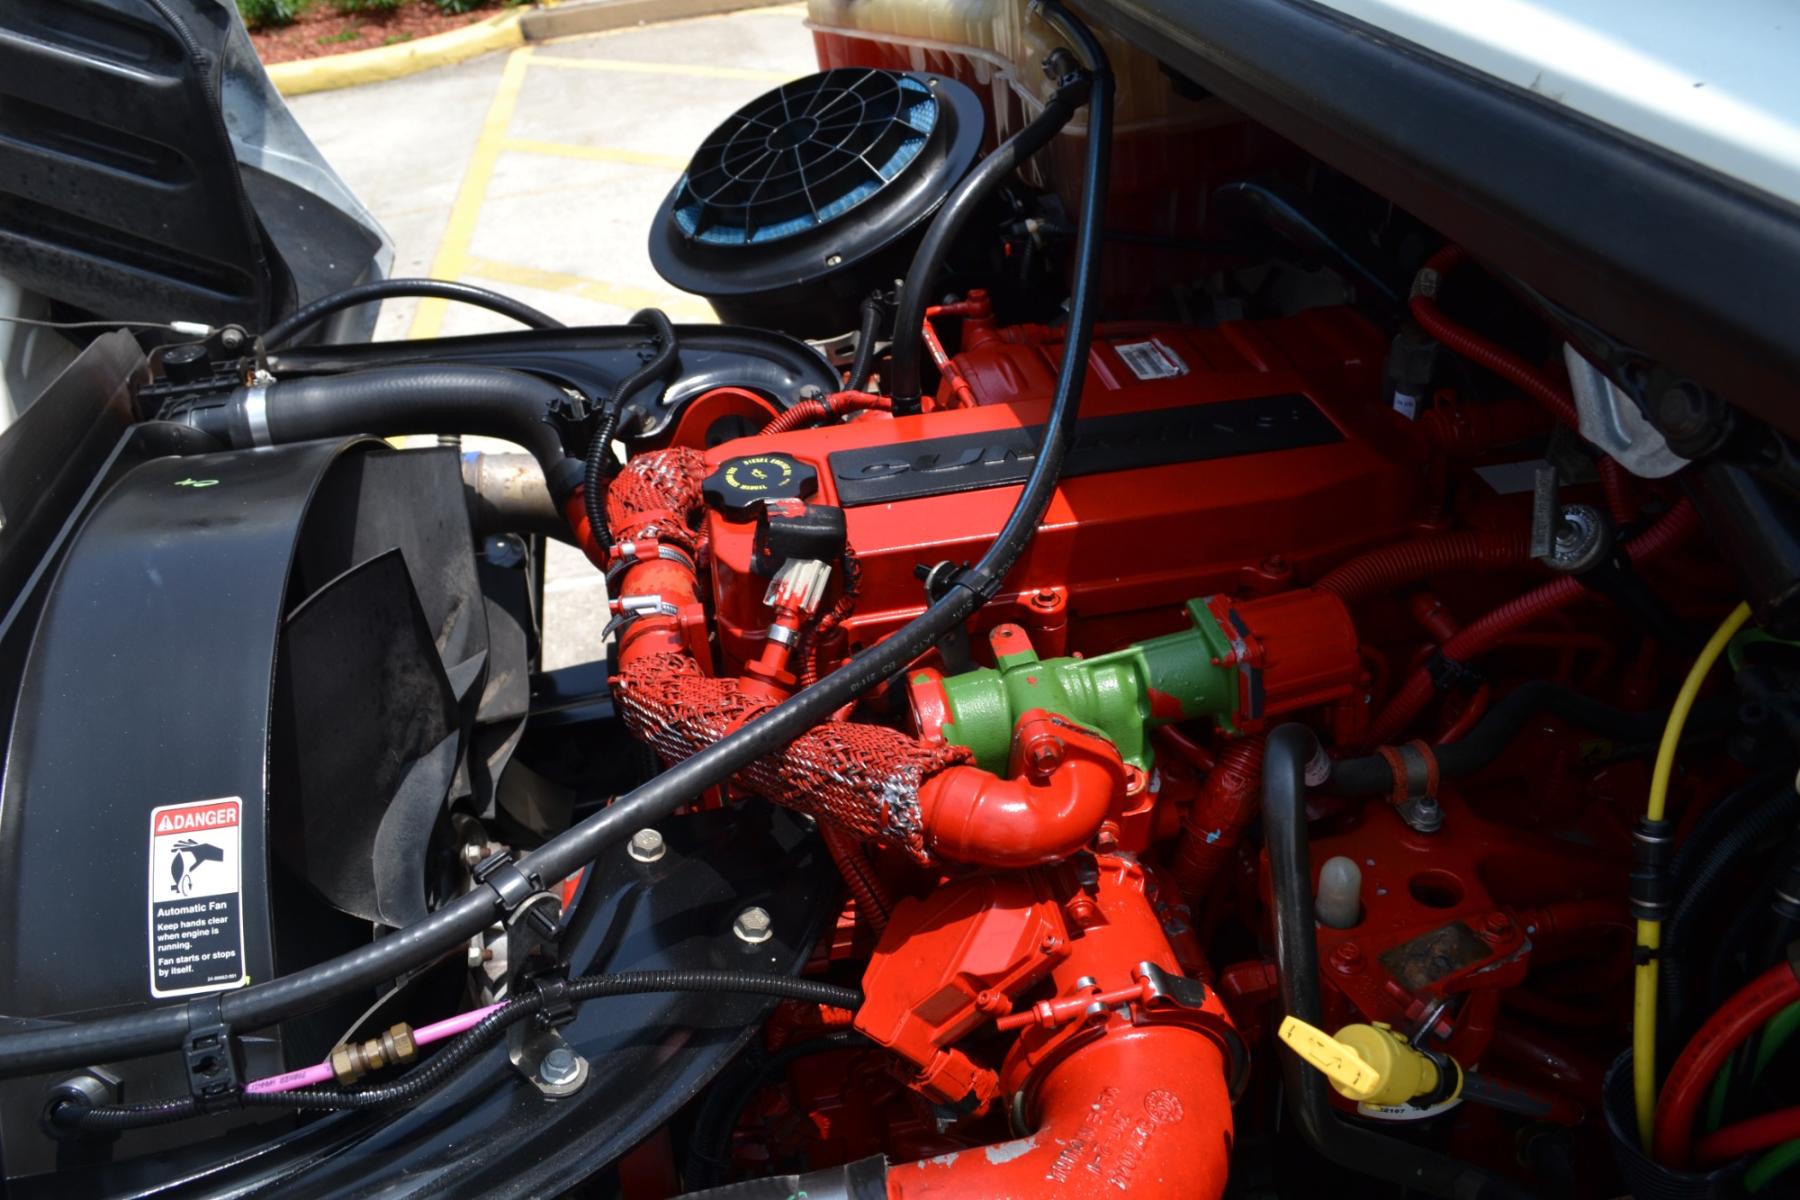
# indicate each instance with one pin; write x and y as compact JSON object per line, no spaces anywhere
{"x":1649,"y":933}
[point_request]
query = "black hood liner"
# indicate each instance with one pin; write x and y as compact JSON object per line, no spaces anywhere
{"x":119,"y":189}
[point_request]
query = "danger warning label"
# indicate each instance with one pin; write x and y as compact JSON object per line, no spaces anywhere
{"x":196,"y":902}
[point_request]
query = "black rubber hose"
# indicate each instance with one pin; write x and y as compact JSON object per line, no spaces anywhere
{"x":904,"y":362}
{"x":720,"y":1111}
{"x":1289,"y":749}
{"x":868,"y":332}
{"x":1760,"y":823}
{"x":599,"y":453}
{"x":262,"y":1004}
{"x":1372,"y":775}
{"x":282,"y":332}
{"x":392,"y":401}
{"x":463,"y":1048}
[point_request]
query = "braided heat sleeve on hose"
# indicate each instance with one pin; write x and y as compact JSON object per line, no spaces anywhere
{"x":863,"y":778}
{"x":658,"y":495}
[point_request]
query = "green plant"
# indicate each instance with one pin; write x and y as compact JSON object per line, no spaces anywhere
{"x":348,"y":34}
{"x":365,"y":6}
{"x":394,"y":39}
{"x":266,"y":14}
{"x":458,"y":6}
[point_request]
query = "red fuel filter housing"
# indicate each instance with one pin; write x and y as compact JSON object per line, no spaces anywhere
{"x":1259,"y":448}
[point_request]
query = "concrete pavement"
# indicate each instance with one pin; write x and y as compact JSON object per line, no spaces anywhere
{"x":538,"y":172}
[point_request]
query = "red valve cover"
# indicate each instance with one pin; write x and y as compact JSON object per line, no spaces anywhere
{"x":1270,"y":457}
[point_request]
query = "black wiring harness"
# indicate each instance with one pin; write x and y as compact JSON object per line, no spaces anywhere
{"x":71,"y":1114}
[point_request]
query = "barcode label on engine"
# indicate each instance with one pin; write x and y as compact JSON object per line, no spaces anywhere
{"x":1151,"y":359}
{"x":196,"y":897}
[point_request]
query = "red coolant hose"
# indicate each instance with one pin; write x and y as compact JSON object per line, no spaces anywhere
{"x":1747,"y":1137}
{"x":1480,"y":635}
{"x":1388,"y":567}
{"x":1515,"y":370}
{"x":1693,"y":1072}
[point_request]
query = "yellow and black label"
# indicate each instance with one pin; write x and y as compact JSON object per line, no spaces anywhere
{"x":764,"y":473}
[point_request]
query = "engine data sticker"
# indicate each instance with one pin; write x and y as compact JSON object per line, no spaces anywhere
{"x":196,"y":897}
{"x":1151,"y":359}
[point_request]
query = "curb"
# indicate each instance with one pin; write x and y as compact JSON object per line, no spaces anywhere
{"x":601,"y":16}
{"x":502,"y":32}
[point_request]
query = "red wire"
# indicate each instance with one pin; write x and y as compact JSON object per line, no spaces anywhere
{"x":1747,"y":1137}
{"x":1693,"y":1072}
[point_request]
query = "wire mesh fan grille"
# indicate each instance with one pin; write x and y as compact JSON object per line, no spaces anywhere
{"x":803,"y":155}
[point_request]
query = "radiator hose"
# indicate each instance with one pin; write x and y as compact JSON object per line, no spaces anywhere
{"x":394,"y":401}
{"x":1288,"y":751}
{"x":262,"y":1004}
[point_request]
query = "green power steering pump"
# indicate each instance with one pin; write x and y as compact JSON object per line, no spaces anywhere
{"x":1239,"y":663}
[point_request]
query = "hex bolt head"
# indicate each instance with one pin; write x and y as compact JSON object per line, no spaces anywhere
{"x":559,"y":1066}
{"x":753,"y":926}
{"x":647,"y":846}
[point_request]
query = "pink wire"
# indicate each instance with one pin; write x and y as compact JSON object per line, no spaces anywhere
{"x":289,"y":1081}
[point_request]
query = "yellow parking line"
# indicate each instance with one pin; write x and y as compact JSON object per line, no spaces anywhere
{"x":631,"y":67}
{"x":459,"y":234}
{"x":619,"y":295}
{"x":636,"y":158}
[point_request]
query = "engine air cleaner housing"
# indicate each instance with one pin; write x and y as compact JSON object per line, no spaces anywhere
{"x":810,"y":196}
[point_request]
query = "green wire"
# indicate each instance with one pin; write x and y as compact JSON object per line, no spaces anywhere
{"x":1771,"y":1166}
{"x":1778,"y":1161}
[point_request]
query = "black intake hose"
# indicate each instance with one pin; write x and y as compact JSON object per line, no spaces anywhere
{"x":391,"y":401}
{"x":282,"y":332}
{"x":599,"y":452}
{"x":462,"y":1049}
{"x":263,"y":1004}
{"x":868,"y":332}
{"x":1288,"y":751}
{"x":928,"y":262}
{"x":1371,"y":775}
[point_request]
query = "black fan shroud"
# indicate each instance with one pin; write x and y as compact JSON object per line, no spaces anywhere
{"x":810,"y":195}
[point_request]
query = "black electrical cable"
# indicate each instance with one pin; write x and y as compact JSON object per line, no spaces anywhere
{"x":1285,"y":757}
{"x":599,"y":453}
{"x":462,"y":1049}
{"x":868,"y":332}
{"x":1373,"y":775}
{"x":904,"y":363}
{"x":282,"y":332}
{"x":164,"y":1028}
{"x":723,"y":1107}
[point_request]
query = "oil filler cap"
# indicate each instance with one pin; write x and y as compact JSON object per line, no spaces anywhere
{"x":741,"y":485}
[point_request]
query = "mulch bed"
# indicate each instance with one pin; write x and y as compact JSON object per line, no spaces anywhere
{"x":321,"y":29}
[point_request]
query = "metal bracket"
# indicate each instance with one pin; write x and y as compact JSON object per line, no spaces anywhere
{"x":1178,"y":990}
{"x":210,"y":1056}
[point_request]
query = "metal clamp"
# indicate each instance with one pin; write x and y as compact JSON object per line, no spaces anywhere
{"x":629,"y":608}
{"x":627,"y":555}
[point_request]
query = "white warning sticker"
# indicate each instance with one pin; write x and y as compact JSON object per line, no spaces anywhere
{"x":1151,"y":359}
{"x":196,"y":897}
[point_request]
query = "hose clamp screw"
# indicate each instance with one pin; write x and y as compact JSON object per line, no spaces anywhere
{"x":647,"y":846}
{"x":753,"y":926}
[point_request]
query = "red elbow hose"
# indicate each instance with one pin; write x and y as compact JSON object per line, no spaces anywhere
{"x":808,"y":411}
{"x":1041,"y":815}
{"x":1480,"y":635}
{"x":1388,"y":567}
{"x":1693,"y":1072}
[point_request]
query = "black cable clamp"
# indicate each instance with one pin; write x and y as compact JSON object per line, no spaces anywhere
{"x":1452,"y":674}
{"x":1643,"y":956}
{"x":511,"y":886}
{"x":210,"y":1056}
{"x":555,"y":1007}
{"x":1652,"y":846}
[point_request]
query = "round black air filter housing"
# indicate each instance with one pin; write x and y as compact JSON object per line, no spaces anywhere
{"x":812,"y":195}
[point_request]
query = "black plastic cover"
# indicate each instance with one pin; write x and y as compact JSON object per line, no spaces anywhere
{"x":119,"y":188}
